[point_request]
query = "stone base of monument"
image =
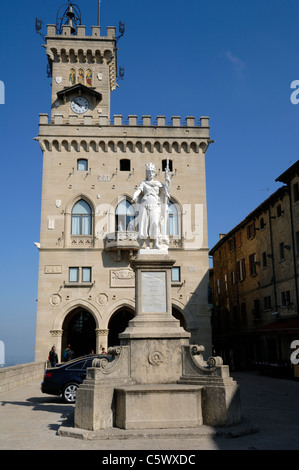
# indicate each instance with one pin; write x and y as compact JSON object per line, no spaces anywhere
{"x":153,"y":406}
{"x":157,"y":380}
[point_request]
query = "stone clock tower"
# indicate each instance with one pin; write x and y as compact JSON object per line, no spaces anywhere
{"x":92,"y":164}
{"x":83,"y":70}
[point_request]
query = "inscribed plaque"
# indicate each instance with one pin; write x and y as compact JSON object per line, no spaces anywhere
{"x":153,"y":288}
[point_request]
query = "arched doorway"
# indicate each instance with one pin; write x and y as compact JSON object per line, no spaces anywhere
{"x":120,"y":320}
{"x":118,"y":323}
{"x":79,"y":331}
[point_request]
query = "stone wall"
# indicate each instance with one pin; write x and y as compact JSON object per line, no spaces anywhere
{"x":15,"y":376}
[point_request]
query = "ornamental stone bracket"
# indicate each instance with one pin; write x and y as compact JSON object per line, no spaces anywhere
{"x":118,"y":368}
{"x":195,"y":365}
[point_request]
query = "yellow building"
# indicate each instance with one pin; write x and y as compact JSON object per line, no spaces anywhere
{"x":92,"y":164}
{"x":254,"y":283}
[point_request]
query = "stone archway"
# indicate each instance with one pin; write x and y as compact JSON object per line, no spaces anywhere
{"x":118,"y":323}
{"x":79,"y":330}
{"x":120,"y":320}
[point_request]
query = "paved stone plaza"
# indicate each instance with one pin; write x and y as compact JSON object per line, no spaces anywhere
{"x":31,"y":420}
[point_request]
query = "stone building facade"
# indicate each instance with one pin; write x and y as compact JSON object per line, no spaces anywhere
{"x":254,"y":282}
{"x":92,"y":164}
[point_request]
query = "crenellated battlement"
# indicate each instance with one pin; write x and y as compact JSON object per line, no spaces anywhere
{"x":124,"y":135}
{"x":131,"y":121}
{"x":81,"y":32}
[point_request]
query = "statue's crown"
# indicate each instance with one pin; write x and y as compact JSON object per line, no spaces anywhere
{"x":150,"y":166}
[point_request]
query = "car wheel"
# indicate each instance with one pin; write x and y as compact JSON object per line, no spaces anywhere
{"x":69,"y":392}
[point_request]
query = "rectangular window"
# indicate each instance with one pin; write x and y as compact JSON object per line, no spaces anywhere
{"x":251,"y":230}
{"x":231,"y":244}
{"x":86,"y":274}
{"x":233,"y":278}
{"x":256,"y":309}
{"x":252,"y":265}
{"x":125,"y":164}
{"x":82,"y":164}
{"x":218,"y":286}
{"x":176,"y":274}
{"x":267,"y":302}
{"x":164,"y":165}
{"x":74,"y":274}
{"x":264,"y":259}
{"x":78,"y":274}
{"x":225,"y":282}
{"x":285,"y":298}
{"x":239,"y":239}
{"x":241,"y":269}
{"x":278,"y":211}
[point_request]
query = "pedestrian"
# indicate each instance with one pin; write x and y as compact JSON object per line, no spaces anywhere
{"x":103,"y":351}
{"x":53,"y":358}
{"x":65,"y":352}
{"x":70,"y":354}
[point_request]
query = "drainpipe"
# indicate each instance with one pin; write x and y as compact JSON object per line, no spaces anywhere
{"x":273,"y":266}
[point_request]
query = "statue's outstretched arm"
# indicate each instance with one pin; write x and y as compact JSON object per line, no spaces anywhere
{"x":137,"y":193}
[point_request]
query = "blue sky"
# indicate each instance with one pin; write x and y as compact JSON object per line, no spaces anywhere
{"x":232,"y":60}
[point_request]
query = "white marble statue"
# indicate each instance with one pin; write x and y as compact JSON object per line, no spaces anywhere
{"x":152,"y":198}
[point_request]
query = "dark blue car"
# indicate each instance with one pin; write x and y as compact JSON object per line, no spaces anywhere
{"x":66,"y":378}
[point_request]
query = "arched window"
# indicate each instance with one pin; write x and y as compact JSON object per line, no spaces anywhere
{"x":88,"y":78}
{"x":81,"y":219}
{"x":124,"y":216}
{"x":173,"y":228}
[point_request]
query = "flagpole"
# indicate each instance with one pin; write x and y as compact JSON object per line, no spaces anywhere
{"x":99,"y":8}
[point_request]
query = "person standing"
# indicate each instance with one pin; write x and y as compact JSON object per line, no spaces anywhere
{"x":53,"y":358}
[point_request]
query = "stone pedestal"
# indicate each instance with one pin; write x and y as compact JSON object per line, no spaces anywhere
{"x":157,"y":379}
{"x":153,"y":307}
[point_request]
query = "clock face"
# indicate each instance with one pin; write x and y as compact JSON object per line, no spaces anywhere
{"x":79,"y":105}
